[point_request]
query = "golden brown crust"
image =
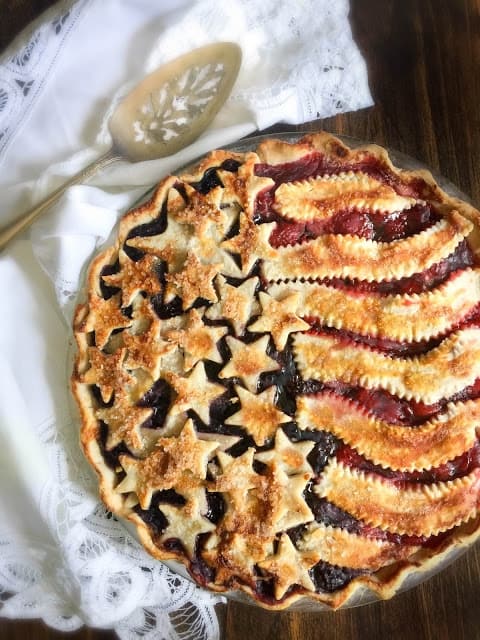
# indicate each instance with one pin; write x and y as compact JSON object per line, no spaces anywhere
{"x":443,"y":438}
{"x":397,"y":317}
{"x":439,"y":373}
{"x":184,"y":314}
{"x":346,"y":256}
{"x":323,"y":197}
{"x":416,"y":510}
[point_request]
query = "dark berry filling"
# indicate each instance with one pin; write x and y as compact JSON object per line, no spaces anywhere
{"x":108,"y":270}
{"x":158,"y":398}
{"x":216,"y":506}
{"x":329,"y":578}
{"x":211,"y":179}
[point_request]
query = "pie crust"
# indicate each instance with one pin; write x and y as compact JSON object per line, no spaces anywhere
{"x":278,"y":372}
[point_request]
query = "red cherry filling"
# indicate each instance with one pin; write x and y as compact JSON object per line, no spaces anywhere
{"x":317,"y":164}
{"x":456,"y":468}
{"x":376,"y":226}
{"x":389,"y":347}
{"x":395,"y":410}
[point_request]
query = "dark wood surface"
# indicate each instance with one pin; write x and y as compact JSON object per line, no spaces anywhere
{"x":423,"y":59}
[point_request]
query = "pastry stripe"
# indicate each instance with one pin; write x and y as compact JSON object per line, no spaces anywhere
{"x":415,"y":510}
{"x":396,"y":447}
{"x":397,"y":317}
{"x":346,"y":256}
{"x":437,"y":374}
{"x":322,"y":197}
{"x":341,"y":548}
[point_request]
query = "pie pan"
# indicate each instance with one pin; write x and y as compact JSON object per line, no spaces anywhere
{"x":383,"y":582}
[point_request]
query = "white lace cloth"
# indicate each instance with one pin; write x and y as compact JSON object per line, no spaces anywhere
{"x":63,"y":557}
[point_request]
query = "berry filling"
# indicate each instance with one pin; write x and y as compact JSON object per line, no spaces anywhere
{"x":456,"y":468}
{"x":381,"y":227}
{"x":316,"y":164}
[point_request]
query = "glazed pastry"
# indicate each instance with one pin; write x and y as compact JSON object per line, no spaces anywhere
{"x":278,"y":372}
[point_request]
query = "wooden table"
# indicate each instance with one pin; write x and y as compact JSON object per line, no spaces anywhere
{"x":423,"y":59}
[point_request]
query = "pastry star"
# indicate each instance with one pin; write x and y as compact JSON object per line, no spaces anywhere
{"x":248,"y":361}
{"x":171,"y":245}
{"x":236,"y":304}
{"x":194,"y":392}
{"x":207,"y":248}
{"x":279,"y":318}
{"x":178,"y":462}
{"x":288,"y":567}
{"x":290,"y":457}
{"x":146,"y":349}
{"x":236,"y":480}
{"x":237,"y":554}
{"x":187,"y":522}
{"x":104,"y":317}
{"x":135,"y":277}
{"x":124,"y":420}
{"x":258,"y":414}
{"x":193,"y":281}
{"x":211,"y":223}
{"x":201,"y":210}
{"x":199,"y":341}
{"x":251,"y":242}
{"x":106,"y":371}
{"x":285,"y":505}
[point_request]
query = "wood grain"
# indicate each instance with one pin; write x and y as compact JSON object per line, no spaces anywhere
{"x":423,"y":59}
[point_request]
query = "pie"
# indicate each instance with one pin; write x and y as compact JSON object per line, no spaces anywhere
{"x":278,"y":372}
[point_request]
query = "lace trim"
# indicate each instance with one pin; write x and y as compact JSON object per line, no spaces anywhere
{"x":25,"y":69}
{"x":72,"y":583}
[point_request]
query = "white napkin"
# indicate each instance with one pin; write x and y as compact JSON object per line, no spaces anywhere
{"x":64,"y":558}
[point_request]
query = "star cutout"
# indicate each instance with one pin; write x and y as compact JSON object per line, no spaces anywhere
{"x":236,"y":304}
{"x":199,"y":341}
{"x":172,"y":245}
{"x":224,"y":441}
{"x":285,"y":505}
{"x":290,"y":457}
{"x":236,"y":554}
{"x":187,"y":522}
{"x":251,"y":242}
{"x":244,"y":186}
{"x":207,"y":249}
{"x":288,"y":567}
{"x":201,"y":210}
{"x":106,"y":371}
{"x":258,"y":414}
{"x":279,"y":318}
{"x":248,"y":361}
{"x":194,"y":392}
{"x":237,"y":480}
{"x":178,"y":462}
{"x":211,"y":222}
{"x":135,"y":277}
{"x":193,"y":281}
{"x":124,"y":420}
{"x":146,"y":349}
{"x":104,"y":317}
{"x":143,"y":342}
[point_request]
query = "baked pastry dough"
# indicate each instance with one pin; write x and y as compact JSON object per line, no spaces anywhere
{"x":278,"y":372}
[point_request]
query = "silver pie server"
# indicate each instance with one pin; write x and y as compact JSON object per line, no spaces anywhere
{"x":164,"y":113}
